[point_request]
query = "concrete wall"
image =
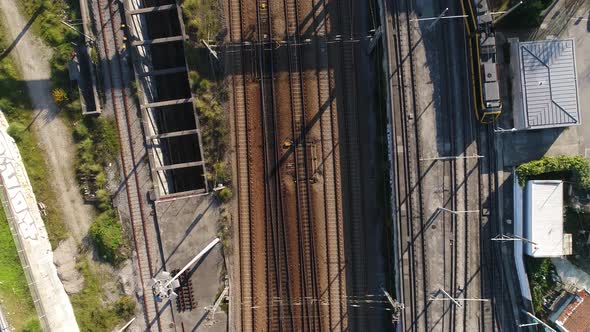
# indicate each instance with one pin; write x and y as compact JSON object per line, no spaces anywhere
{"x":30,"y":236}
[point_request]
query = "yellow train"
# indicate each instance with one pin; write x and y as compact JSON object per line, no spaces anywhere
{"x":482,"y":47}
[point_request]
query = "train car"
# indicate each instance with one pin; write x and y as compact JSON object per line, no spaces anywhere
{"x":482,"y":45}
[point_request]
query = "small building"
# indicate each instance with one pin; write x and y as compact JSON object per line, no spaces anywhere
{"x":543,"y":220}
{"x":544,"y":84}
{"x":571,"y":312}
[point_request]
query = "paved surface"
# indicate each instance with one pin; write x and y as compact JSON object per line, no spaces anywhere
{"x":51,"y":301}
{"x":31,"y":57}
{"x":187,"y":225}
{"x":571,"y":274}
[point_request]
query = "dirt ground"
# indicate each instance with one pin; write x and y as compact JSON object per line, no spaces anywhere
{"x":32,"y":58}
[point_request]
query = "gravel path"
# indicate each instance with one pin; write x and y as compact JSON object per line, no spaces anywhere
{"x":32,"y":58}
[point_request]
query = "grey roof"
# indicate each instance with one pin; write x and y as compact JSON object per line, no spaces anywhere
{"x":549,"y":84}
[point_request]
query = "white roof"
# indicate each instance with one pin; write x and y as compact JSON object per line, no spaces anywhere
{"x":544,"y":218}
{"x":549,"y":83}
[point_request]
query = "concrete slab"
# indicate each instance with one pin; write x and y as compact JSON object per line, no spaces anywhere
{"x":187,"y":225}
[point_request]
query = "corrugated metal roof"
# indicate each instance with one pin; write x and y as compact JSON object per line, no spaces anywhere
{"x":549,"y":84}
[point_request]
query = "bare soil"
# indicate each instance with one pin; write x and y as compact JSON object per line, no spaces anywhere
{"x":32,"y":58}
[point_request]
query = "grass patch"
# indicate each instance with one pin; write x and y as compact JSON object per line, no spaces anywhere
{"x":14,"y":292}
{"x":202,"y":19}
{"x":92,"y":314}
{"x":575,"y":169}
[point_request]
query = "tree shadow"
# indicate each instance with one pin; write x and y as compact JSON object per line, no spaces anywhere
{"x":36,"y":14}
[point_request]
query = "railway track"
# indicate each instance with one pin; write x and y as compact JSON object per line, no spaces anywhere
{"x":290,"y":117}
{"x":107,"y":18}
{"x":243,"y":166}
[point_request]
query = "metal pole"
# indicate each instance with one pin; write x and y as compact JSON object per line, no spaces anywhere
{"x":512,"y":237}
{"x":507,"y":12}
{"x":458,"y":211}
{"x":199,"y":255}
{"x":444,"y":12}
{"x":452,"y":157}
{"x":213,"y":53}
{"x":460,"y":299}
{"x":437,"y":18}
{"x":538,"y":320}
{"x":451,"y":298}
{"x":127,"y":325}
{"x":78,"y":31}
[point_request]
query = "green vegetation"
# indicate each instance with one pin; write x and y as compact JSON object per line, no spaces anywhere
{"x":107,"y":234}
{"x":224,"y":195}
{"x":214,"y":128}
{"x":527,"y":15}
{"x":539,"y":273}
{"x":223,"y":230}
{"x":47,"y":15}
{"x":97,"y":146}
{"x":576,"y":169}
{"x":15,"y":104}
{"x":92,"y":315}
{"x":17,"y":302}
{"x":32,"y":325}
{"x":202,"y":18}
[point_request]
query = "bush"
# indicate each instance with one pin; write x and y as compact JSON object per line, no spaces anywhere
{"x":562,"y":166}
{"x":224,"y":195}
{"x":125,"y":307}
{"x":16,"y":130}
{"x":107,"y":234}
{"x":80,"y":132}
{"x":59,"y":95}
{"x":104,"y":199}
{"x":538,"y":270}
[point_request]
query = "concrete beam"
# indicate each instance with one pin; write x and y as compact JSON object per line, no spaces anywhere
{"x":166,"y":71}
{"x":158,"y":40}
{"x":151,"y":9}
{"x":175,"y":134}
{"x":168,"y":103}
{"x":181,"y":165}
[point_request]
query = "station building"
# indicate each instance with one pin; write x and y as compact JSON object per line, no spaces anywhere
{"x":544,"y":84}
{"x":543,"y":220}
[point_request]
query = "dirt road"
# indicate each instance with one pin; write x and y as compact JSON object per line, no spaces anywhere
{"x":32,"y":58}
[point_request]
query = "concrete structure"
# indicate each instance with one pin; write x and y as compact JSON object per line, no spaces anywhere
{"x":544,"y":219}
{"x":544,"y":84}
{"x":27,"y":227}
{"x":572,"y":312}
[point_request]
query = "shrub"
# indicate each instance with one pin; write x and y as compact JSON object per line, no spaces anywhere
{"x":104,"y":199}
{"x":80,"y":132}
{"x":538,"y":270}
{"x":16,"y":130}
{"x":125,"y":307}
{"x":32,"y":325}
{"x":224,"y":195}
{"x":106,"y":140}
{"x":578,"y":166}
{"x":107,"y":234}
{"x":59,"y":95}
